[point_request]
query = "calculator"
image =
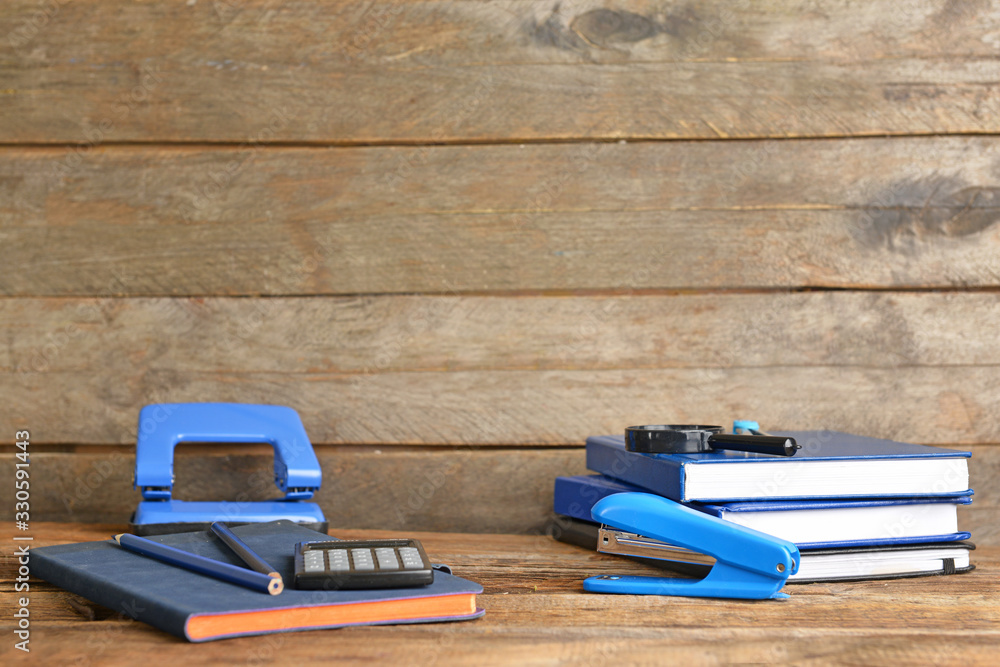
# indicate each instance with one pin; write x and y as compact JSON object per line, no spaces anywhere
{"x":353,"y":564}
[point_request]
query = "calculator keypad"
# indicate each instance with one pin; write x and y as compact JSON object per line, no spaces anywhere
{"x":386,"y":558}
{"x":363,"y":560}
{"x":338,"y":561}
{"x":411,"y":558}
{"x":313,"y":561}
{"x":361,"y":564}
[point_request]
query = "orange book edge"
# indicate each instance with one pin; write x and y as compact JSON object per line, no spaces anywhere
{"x":206,"y":626}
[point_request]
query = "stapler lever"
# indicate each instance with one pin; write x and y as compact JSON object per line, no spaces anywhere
{"x":748,"y":564}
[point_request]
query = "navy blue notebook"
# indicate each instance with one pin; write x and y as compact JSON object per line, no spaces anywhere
{"x":810,"y":524}
{"x":829,"y":465}
{"x":200,"y":608}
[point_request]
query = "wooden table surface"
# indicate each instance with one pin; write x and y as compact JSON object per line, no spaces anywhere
{"x":538,"y":613}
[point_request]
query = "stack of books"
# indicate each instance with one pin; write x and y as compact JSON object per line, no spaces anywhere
{"x":856,"y":507}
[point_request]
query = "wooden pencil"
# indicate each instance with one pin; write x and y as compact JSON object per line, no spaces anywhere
{"x":240,"y":548}
{"x":200,"y":564}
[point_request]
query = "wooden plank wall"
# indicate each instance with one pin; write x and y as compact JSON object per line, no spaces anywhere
{"x":459,"y":237}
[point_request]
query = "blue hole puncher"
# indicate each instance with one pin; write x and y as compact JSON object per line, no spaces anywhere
{"x":162,"y":426}
{"x":745,"y":563}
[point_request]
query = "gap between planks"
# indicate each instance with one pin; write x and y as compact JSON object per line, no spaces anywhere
{"x":160,"y":144}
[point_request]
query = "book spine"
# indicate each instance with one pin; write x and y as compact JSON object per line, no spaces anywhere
{"x":108,"y":593}
{"x":663,"y":475}
{"x":574,"y":499}
{"x":575,"y":496}
{"x":886,"y":541}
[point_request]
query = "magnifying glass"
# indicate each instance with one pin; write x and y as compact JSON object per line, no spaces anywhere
{"x":692,"y":438}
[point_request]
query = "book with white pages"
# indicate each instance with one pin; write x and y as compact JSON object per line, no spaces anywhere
{"x":829,"y":465}
{"x":809,"y":524}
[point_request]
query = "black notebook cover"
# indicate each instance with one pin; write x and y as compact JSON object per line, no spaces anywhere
{"x":200,"y":608}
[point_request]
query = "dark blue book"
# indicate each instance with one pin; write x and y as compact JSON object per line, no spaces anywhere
{"x":200,"y":608}
{"x":829,"y":465}
{"x":810,"y":524}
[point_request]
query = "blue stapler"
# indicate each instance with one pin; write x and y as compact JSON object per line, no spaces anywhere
{"x":162,"y":426}
{"x":748,"y":564}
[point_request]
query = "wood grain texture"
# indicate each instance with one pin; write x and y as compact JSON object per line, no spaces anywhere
{"x":917,"y":212}
{"x":386,"y":334}
{"x":536,"y":613}
{"x":933,"y":405}
{"x":488,"y":643}
{"x":393,"y":71}
{"x":510,"y":370}
{"x":447,"y":490}
{"x":495,"y":303}
{"x":435,"y":489}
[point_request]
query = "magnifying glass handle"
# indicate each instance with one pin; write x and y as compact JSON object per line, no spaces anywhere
{"x":761,"y":444}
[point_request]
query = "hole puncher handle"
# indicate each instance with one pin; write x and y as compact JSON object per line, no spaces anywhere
{"x":163,"y":426}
